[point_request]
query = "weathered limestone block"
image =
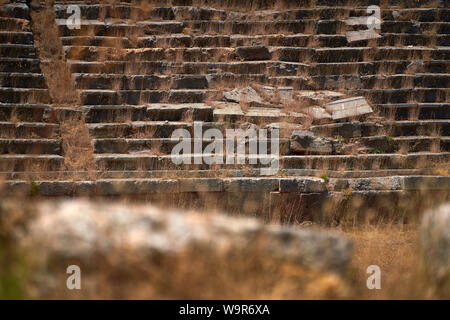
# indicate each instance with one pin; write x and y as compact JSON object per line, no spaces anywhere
{"x":302,"y":185}
{"x":303,"y":141}
{"x":253,"y":53}
{"x":435,"y":242}
{"x":81,"y":229}
{"x":347,"y":108}
{"x":247,"y":95}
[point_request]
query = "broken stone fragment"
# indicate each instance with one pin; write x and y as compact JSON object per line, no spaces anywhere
{"x":247,"y":95}
{"x":347,"y":108}
{"x":303,"y":141}
{"x":319,"y":97}
{"x":317,"y":113}
{"x":277,"y":95}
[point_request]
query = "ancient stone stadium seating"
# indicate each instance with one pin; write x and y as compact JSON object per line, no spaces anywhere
{"x":146,"y":68}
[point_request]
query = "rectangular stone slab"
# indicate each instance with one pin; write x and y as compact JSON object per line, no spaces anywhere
{"x":348,"y":108}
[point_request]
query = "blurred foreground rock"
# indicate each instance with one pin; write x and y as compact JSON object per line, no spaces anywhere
{"x":81,"y":229}
{"x":435,"y":242}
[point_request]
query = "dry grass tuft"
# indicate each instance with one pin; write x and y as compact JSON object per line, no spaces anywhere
{"x":53,"y":64}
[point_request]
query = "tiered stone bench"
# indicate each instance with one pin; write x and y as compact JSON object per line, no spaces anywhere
{"x":144,"y":71}
{"x":29,"y":139}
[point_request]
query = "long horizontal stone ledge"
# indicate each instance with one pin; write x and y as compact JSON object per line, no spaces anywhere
{"x":116,"y":187}
{"x":229,"y":173}
{"x":151,"y":232}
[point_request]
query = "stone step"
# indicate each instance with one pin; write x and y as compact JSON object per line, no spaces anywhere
{"x":225,"y":113}
{"x":98,"y":41}
{"x":418,"y":80}
{"x":251,"y":27}
{"x":397,"y":81}
{"x":207,"y":41}
{"x":120,"y":162}
{"x":151,"y":54}
{"x":187,"y":41}
{"x":16,"y":10}
{"x":13,"y":24}
{"x":153,"y":129}
{"x":153,"y":112}
{"x":221,"y":186}
{"x":159,"y":146}
{"x":110,"y":26}
{"x":24,"y":95}
{"x":383,"y":96}
{"x":277,"y":40}
{"x":376,"y":67}
{"x":182,"y":81}
{"x":24,"y":112}
{"x":422,"y":111}
{"x":114,"y":113}
{"x":139,"y":97}
{"x":30,"y":146}
{"x":293,"y":54}
{"x":271,"y":68}
{"x":125,"y":28}
{"x":363,"y":54}
{"x":123,"y":82}
{"x":122,"y":11}
{"x":367,"y":162}
{"x":17,"y":50}
{"x":143,"y":161}
{"x":386,"y":144}
{"x":426,"y":40}
{"x":388,"y":128}
{"x":28,"y":130}
{"x":398,"y":27}
{"x":19,"y":65}
{"x":401,"y":4}
{"x":415,"y":27}
{"x":8,"y":37}
{"x":22,"y":80}
{"x":246,"y":173}
{"x":203,"y":112}
{"x":145,"y":129}
{"x":387,"y":39}
{"x":179,"y":112}
{"x":32,"y":163}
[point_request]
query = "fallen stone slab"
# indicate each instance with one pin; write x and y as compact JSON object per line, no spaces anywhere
{"x":319,"y":96}
{"x":435,"y":243}
{"x":347,"y":108}
{"x":83,"y":230}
